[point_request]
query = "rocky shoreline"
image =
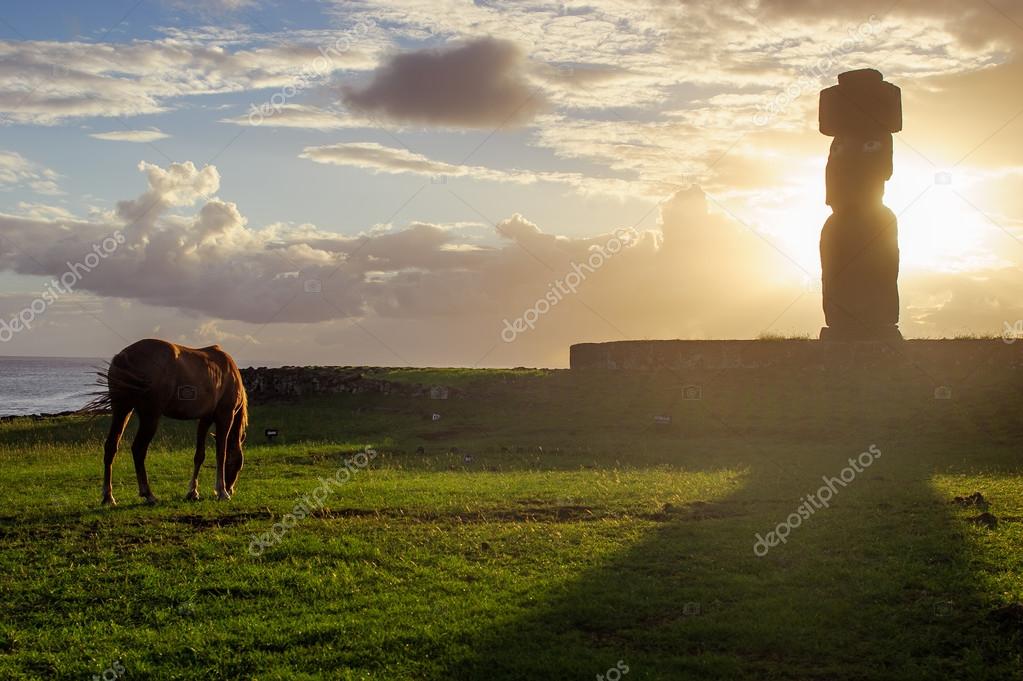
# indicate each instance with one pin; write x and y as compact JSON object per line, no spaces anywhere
{"x":43,"y":416}
{"x":265,"y":384}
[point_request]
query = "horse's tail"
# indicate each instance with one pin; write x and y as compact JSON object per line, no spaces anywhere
{"x":117,"y":383}
{"x":243,"y":411}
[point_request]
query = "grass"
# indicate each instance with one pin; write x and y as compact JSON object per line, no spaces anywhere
{"x":780,"y":336}
{"x":578,"y":533}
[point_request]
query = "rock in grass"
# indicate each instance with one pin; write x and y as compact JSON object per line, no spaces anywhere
{"x":985,"y":520}
{"x":1008,"y":616}
{"x":973,"y":500}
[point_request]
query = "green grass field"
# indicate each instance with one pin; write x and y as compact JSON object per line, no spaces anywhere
{"x":579,"y":535}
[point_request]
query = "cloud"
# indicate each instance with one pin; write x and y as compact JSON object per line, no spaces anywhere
{"x":478,"y":84}
{"x":645,"y":95}
{"x":44,"y":212}
{"x":213,"y":6}
{"x":381,"y":159}
{"x":150,"y":135}
{"x":212,"y":263}
{"x":302,"y":116}
{"x":941,"y":304}
{"x":699,"y":274}
{"x":659,"y":90}
{"x":180,"y":184}
{"x":49,"y":82}
{"x":18,"y":171}
{"x":995,"y":21}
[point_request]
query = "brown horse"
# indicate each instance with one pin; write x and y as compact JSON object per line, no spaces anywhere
{"x":155,"y":378}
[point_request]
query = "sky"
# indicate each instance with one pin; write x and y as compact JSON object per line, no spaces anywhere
{"x":442,"y":183}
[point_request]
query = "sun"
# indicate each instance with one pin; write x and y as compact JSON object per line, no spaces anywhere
{"x":941,"y":227}
{"x":942,"y":224}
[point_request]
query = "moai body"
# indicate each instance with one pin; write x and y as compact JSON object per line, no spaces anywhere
{"x":859,"y":243}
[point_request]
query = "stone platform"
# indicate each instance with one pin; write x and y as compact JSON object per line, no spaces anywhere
{"x":960,"y":356}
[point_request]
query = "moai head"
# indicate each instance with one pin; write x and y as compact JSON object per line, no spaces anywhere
{"x":861,"y":113}
{"x":858,"y":166}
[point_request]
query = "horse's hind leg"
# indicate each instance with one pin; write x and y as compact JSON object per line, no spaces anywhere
{"x":139,"y":447}
{"x":118,"y":420}
{"x":200,"y":455}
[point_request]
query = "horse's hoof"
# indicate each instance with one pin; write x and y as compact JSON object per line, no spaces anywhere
{"x":150,"y":500}
{"x":109,"y":501}
{"x":193,"y":495}
{"x":223,"y":496}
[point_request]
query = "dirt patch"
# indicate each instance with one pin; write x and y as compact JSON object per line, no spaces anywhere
{"x":312,"y":458}
{"x":331,"y":513}
{"x":692,"y":511}
{"x":561,"y":514}
{"x":529,"y":514}
{"x":530,"y":510}
{"x":204,"y":522}
{"x":433,"y":436}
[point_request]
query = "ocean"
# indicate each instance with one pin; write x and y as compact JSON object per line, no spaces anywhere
{"x":45,"y":385}
{"x":49,"y":385}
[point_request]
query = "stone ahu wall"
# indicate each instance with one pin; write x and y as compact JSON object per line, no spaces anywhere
{"x":966,"y":354}
{"x":264,"y":384}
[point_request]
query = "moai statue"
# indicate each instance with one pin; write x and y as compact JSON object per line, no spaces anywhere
{"x":859,"y":242}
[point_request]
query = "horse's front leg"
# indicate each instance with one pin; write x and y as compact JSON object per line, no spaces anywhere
{"x":202,"y":432}
{"x":223,"y":431}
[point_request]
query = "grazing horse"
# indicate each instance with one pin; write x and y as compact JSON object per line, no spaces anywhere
{"x":155,"y":378}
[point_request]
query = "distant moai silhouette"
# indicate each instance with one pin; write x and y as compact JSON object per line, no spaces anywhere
{"x":859,"y":242}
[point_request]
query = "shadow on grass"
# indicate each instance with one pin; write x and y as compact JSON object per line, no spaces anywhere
{"x":867,"y":589}
{"x":881,"y":585}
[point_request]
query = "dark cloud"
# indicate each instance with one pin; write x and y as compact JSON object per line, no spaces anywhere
{"x":973,"y":23}
{"x":479,"y":84}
